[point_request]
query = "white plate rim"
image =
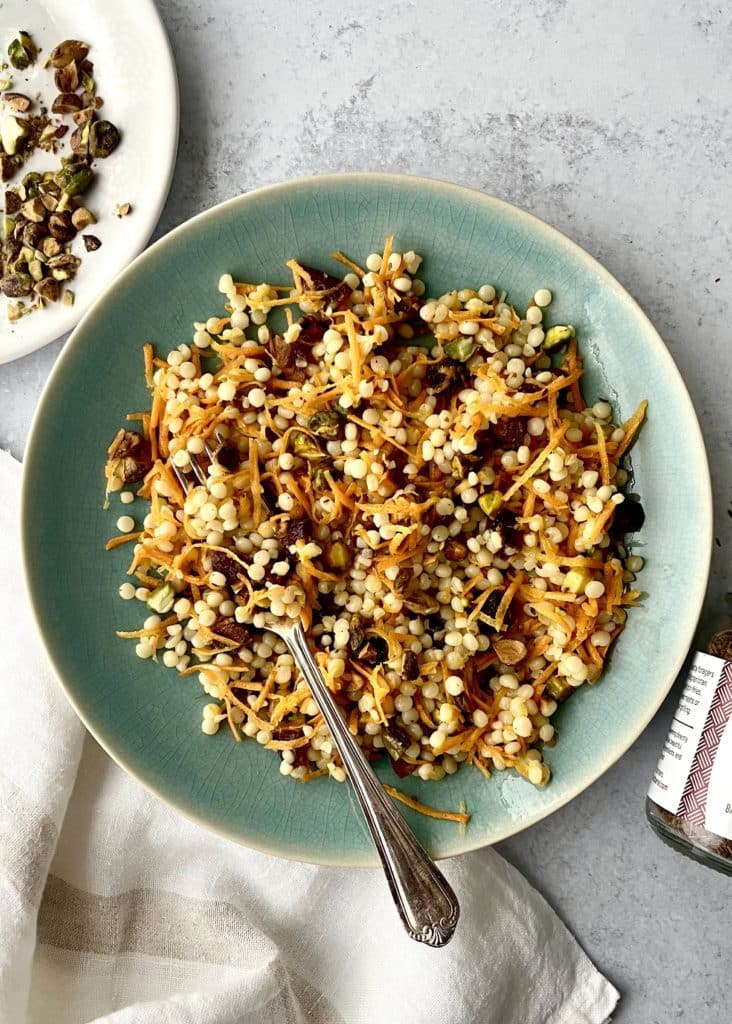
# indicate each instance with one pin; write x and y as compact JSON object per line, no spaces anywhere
{"x":66,"y":319}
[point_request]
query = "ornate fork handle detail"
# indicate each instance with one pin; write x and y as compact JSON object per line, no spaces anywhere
{"x":426,"y":903}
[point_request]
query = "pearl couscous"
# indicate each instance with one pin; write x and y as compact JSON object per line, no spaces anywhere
{"x":418,"y":479}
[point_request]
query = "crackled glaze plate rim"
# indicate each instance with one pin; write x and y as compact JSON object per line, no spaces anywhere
{"x":684,"y":633}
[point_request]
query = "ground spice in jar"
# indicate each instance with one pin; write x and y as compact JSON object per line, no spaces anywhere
{"x":689,"y":803}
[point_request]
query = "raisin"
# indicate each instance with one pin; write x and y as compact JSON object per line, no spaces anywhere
{"x":286,"y":355}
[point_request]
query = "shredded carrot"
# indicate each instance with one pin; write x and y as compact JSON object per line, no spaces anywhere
{"x":461,"y":817}
{"x":631,"y":428}
{"x":147,"y":351}
{"x":602,"y":449}
{"x":125,"y":538}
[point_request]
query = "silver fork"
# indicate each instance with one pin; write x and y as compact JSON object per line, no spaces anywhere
{"x":426,"y":903}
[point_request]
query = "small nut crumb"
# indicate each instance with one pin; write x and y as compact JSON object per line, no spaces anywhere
{"x":510,"y":652}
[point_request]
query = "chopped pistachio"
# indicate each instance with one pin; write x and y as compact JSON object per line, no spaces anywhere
{"x":394,"y":746}
{"x":558,"y":688}
{"x":557,"y":335}
{"x":162,"y":599}
{"x":35,"y":268}
{"x":51,"y":247}
{"x":461,"y":349}
{"x":6,"y":83}
{"x":326,"y":423}
{"x":317,"y":478}
{"x":69,"y":297}
{"x":14,"y":286}
{"x":304,"y":446}
{"x":337,"y":555}
{"x":31,"y":184}
{"x":66,"y":52}
{"x":510,"y":652}
{"x":82,"y":218}
{"x":66,"y":79}
{"x":34,"y":210}
{"x":75,"y":179}
{"x":576,"y":580}
{"x":123,"y":210}
{"x":16,"y":310}
{"x":103,"y":140}
{"x":48,"y":289}
{"x":60,"y":226}
{"x":490,"y":502}
{"x":16,"y":102}
{"x":66,"y":103}
{"x":12,"y":131}
{"x":22,"y":51}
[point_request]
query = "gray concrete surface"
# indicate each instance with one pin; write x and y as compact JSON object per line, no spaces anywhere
{"x":611,"y":121}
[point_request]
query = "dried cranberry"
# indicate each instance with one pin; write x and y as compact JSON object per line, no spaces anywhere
{"x":628,"y":518}
{"x":228,"y":457}
{"x":505,"y":522}
{"x":232,"y":630}
{"x":130,"y":443}
{"x":321,"y":281}
{"x":490,"y":608}
{"x":403,"y":768}
{"x":311,"y":330}
{"x":136,"y":456}
{"x":356,"y":638}
{"x":410,"y":665}
{"x":402,"y":580}
{"x":509,"y":432}
{"x":377,"y":651}
{"x":441,"y":376}
{"x":296,"y":529}
{"x":227,"y":566}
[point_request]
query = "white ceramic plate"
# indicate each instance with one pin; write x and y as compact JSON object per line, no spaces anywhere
{"x":135,"y":74}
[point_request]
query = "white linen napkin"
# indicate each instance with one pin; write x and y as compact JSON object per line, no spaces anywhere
{"x":114,"y":908}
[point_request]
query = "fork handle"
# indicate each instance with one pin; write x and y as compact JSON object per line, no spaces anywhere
{"x":426,"y":903}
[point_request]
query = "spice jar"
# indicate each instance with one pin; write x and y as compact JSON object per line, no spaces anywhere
{"x":689,"y":803}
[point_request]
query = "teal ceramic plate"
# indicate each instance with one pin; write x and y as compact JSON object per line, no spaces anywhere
{"x":147,"y":717}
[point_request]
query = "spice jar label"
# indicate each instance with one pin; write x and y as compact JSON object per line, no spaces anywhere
{"x":693,"y":778}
